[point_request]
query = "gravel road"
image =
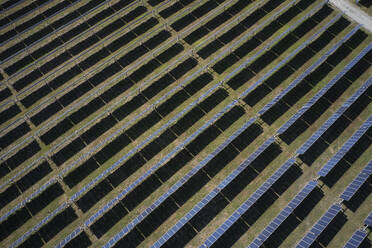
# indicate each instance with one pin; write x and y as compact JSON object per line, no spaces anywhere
{"x":354,"y":13}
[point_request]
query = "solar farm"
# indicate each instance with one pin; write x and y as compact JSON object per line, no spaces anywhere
{"x":184,"y":123}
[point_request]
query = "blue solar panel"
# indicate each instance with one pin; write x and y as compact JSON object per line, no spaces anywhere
{"x":356,"y":240}
{"x":368,"y":220}
{"x":320,"y":226}
{"x":246,"y":205}
{"x":345,"y":148}
{"x":293,"y":53}
{"x":319,"y":94}
{"x":218,"y":189}
{"x":283,"y":215}
{"x":105,"y":208}
{"x":336,"y":115}
{"x":357,"y":182}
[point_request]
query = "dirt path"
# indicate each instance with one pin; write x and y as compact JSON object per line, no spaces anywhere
{"x":354,"y":13}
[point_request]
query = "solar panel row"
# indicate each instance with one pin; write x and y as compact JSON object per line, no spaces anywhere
{"x":320,"y":226}
{"x":12,"y":18}
{"x":242,"y":208}
{"x":172,"y":231}
{"x":105,"y":172}
{"x":47,"y":126}
{"x":283,"y":215}
{"x":28,"y":199}
{"x":319,"y":94}
{"x":355,"y":185}
{"x":36,"y":20}
{"x":342,"y":109}
{"x":39,"y":225}
{"x":108,"y":110}
{"x":10,"y":4}
{"x":368,"y":220}
{"x":345,"y":148}
{"x":234,"y":24}
{"x":185,"y":31}
{"x":331,"y":21}
{"x":79,"y":159}
{"x":356,"y":240}
{"x":48,"y":100}
{"x":79,"y":230}
{"x":232,"y":58}
{"x":177,"y":185}
{"x":20,"y":47}
{"x":166,"y":158}
{"x":249,"y":34}
{"x":293,"y":53}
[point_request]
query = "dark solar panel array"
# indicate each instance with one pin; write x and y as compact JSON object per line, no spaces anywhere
{"x":86,"y":100}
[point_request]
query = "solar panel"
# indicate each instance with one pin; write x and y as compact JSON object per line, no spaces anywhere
{"x":368,"y":220}
{"x":320,"y":93}
{"x":180,"y":182}
{"x":101,"y":176}
{"x":320,"y":226}
{"x":340,"y":111}
{"x":34,"y":194}
{"x":68,"y":168}
{"x":293,"y":53}
{"x":69,"y":237}
{"x":34,"y":24}
{"x":80,"y":192}
{"x":357,"y":182}
{"x":301,"y":77}
{"x":218,"y":189}
{"x":38,"y":225}
{"x":283,"y":215}
{"x":26,"y":91}
{"x":345,"y":148}
{"x":246,"y":36}
{"x":356,"y":240}
{"x":148,"y":139}
{"x":230,"y":74}
{"x":111,"y":203}
{"x":80,"y":16}
{"x":271,"y":43}
{"x":138,"y":219}
{"x":244,"y":207}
